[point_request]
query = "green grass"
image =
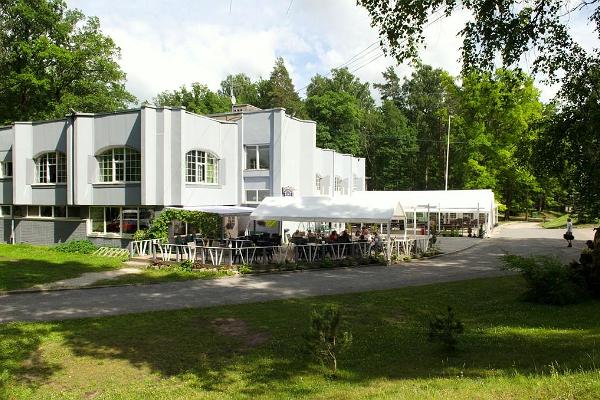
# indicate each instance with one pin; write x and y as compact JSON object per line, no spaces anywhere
{"x":561,"y":222}
{"x":23,"y":266}
{"x":163,"y":275}
{"x":510,"y":350}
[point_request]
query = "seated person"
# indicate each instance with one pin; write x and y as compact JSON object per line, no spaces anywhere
{"x":311,"y":234}
{"x":333,"y":237}
{"x":297,"y":234}
{"x":344,"y":237}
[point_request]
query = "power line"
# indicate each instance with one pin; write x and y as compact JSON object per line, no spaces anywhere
{"x":354,"y":58}
{"x":290,"y":6}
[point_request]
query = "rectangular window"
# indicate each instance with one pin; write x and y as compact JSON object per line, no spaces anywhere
{"x":112,"y":219}
{"x":6,"y":170}
{"x":263,"y":157}
{"x":146,"y":217}
{"x":258,"y":157}
{"x":20,"y":211}
{"x":318,"y":183}
{"x":33,"y":211}
{"x":118,"y":220}
{"x":74,"y":212}
{"x":251,"y":157}
{"x":5,"y":211}
{"x":338,"y":185}
{"x":257,"y":195}
{"x":46,"y":211}
{"x":60,"y":212}
{"x":97,"y":219}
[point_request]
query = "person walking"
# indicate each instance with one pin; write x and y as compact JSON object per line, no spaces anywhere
{"x":569,"y":234}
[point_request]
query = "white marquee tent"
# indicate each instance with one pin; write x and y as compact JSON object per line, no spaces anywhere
{"x":381,"y":207}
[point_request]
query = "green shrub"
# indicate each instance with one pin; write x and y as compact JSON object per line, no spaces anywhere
{"x":327,"y":263}
{"x":325,"y":338}
{"x":445,"y":328}
{"x":548,"y":280}
{"x":244,"y":269}
{"x":187,"y":266}
{"x":140,"y":234}
{"x":77,"y":247}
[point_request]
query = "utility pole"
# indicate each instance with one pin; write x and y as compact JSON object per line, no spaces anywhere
{"x":448,"y":151}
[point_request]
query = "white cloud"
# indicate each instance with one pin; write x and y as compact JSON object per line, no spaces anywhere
{"x":165,"y":46}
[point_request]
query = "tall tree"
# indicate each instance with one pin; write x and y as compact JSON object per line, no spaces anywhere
{"x":570,"y":146}
{"x":199,"y":99}
{"x":502,"y":30}
{"x":339,"y":105}
{"x":279,"y":91}
{"x":391,"y":148}
{"x":243,"y":89}
{"x":53,"y":59}
{"x":425,"y":99}
{"x":498,"y":115}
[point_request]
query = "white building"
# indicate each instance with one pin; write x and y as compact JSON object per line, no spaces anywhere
{"x":104,"y":176}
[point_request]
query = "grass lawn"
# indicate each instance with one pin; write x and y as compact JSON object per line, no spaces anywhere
{"x":510,"y":350}
{"x":561,"y":222}
{"x":164,"y":275}
{"x":23,"y":266}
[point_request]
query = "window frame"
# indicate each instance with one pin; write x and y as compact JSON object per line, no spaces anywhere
{"x":39,"y":212}
{"x":4,"y":169}
{"x":200,"y":168}
{"x":44,"y":165}
{"x":118,"y":161}
{"x":318,"y":184}
{"x":10,"y":212}
{"x":338,"y":184}
{"x":257,"y":154}
{"x":257,"y":201}
{"x":120,"y":234}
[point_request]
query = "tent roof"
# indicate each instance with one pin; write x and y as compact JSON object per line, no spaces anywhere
{"x":221,"y":210}
{"x":438,"y":200}
{"x":327,"y":209}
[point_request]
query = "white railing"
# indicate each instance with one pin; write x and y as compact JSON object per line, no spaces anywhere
{"x":311,"y":253}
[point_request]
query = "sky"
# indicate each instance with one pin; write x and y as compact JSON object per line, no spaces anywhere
{"x":167,"y":44}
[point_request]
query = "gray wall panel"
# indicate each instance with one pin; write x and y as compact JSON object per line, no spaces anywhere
{"x":117,"y":195}
{"x":6,"y":191}
{"x":49,"y":136}
{"x":113,"y":130}
{"x":4,"y":230}
{"x":48,"y":232}
{"x":50,"y":195}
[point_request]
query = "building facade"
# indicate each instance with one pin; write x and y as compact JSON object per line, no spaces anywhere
{"x":104,"y":176}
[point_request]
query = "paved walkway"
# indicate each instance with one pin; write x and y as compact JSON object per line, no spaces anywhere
{"x":89,"y":278}
{"x":478,"y":261}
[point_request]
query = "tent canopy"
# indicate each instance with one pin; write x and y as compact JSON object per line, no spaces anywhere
{"x":327,"y":209}
{"x":446,"y":201}
{"x":221,"y":210}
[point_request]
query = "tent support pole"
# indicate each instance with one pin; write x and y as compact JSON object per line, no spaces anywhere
{"x":428,"y":228}
{"x":389,"y":243}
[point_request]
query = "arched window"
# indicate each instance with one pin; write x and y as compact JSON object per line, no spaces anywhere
{"x":201,"y":167}
{"x":120,"y":164}
{"x":51,"y":168}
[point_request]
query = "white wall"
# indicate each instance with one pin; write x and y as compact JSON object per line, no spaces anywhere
{"x":221,"y":139}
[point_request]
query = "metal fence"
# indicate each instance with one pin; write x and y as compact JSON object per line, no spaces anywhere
{"x":310,"y":253}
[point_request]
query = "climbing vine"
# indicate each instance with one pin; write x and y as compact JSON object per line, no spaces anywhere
{"x":207,"y":224}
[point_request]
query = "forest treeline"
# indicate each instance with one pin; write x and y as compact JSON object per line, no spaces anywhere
{"x":502,"y":137}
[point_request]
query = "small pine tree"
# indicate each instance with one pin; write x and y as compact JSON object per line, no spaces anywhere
{"x":325,"y":338}
{"x":445,"y":329}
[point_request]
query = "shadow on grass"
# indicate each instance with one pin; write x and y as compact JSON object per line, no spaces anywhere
{"x":21,"y":273}
{"x":21,"y":357}
{"x":503,"y":337}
